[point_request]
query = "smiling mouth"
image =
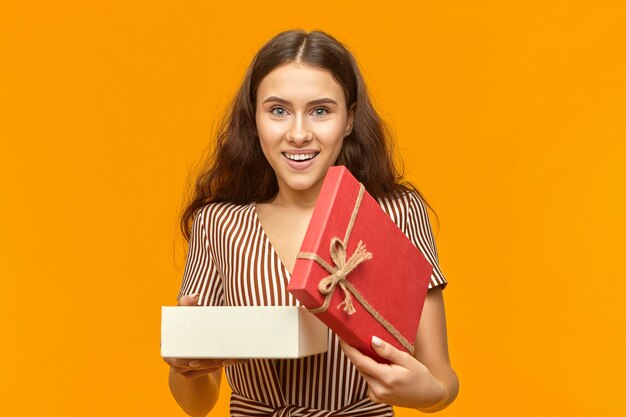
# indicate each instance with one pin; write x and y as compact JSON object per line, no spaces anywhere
{"x":300,"y":157}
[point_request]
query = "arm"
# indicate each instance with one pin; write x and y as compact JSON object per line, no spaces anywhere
{"x":431,"y":342}
{"x":425,"y":381}
{"x":195,"y":383}
{"x":431,"y":348}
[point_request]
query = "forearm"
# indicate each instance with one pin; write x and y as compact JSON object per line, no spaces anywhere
{"x":195,"y":396}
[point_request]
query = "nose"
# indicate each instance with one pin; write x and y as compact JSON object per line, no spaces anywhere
{"x":298,"y":130}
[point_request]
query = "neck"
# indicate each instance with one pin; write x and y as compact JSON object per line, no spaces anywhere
{"x":298,"y":199}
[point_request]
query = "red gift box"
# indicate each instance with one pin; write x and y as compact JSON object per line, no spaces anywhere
{"x":354,"y":258}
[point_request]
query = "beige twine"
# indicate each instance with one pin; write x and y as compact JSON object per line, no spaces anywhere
{"x":339,"y":272}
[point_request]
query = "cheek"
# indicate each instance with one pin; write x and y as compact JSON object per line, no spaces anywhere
{"x":331,"y":134}
{"x":332,"y":128}
{"x":268,"y":131}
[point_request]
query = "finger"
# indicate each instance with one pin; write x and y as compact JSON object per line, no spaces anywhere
{"x":211,"y":363}
{"x":363,"y":363}
{"x":189,"y":300}
{"x":393,"y":355}
{"x":373,"y":397}
{"x":181,"y":371}
{"x":198,"y":368}
{"x":177,"y":362}
{"x":199,"y":363}
{"x":198,"y":373}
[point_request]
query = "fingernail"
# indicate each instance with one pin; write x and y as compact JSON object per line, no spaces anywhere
{"x":194,"y":364}
{"x":243,"y":361}
{"x":194,"y":295}
{"x":377,"y":342}
{"x":229,"y":362}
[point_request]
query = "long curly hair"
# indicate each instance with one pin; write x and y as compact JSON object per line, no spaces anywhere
{"x":236,"y":171}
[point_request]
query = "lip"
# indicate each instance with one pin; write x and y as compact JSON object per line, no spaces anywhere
{"x":299,"y":165}
{"x":300,"y":151}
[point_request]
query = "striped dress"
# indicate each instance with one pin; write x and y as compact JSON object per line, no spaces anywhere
{"x":231,"y":262}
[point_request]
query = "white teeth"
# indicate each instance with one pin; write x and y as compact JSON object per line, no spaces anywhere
{"x":299,"y":157}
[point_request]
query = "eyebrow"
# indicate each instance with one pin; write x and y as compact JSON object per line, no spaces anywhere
{"x":325,"y":100}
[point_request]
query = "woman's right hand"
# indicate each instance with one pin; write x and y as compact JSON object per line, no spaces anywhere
{"x":194,"y":368}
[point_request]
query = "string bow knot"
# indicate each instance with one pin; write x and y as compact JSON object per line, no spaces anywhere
{"x":339,"y":272}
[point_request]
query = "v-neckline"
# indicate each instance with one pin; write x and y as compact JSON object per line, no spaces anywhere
{"x":286,"y":272}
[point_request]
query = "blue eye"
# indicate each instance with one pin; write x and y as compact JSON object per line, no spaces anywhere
{"x":320,"y":111}
{"x":278,"y":111}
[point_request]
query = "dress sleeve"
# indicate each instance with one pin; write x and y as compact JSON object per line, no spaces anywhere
{"x":419,"y":231}
{"x":201,"y":275}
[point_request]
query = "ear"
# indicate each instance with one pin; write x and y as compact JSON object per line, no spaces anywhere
{"x":350,"y":123}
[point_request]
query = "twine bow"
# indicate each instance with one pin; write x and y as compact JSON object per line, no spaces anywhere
{"x":338,"y":272}
{"x":343,"y":266}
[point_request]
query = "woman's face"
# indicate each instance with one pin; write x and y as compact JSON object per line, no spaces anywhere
{"x":301,"y":119}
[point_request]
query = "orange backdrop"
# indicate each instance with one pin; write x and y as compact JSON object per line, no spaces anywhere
{"x":510,"y":117}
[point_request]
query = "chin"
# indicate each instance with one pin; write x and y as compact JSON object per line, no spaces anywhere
{"x":301,"y":185}
{"x":304,"y":183}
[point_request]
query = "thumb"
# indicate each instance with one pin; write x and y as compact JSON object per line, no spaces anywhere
{"x":393,"y":355}
{"x":189,"y":300}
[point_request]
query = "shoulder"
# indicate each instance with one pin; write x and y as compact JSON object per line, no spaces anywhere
{"x":405,"y":197}
{"x":213,"y":210}
{"x":403,"y":206}
{"x":211,"y":217}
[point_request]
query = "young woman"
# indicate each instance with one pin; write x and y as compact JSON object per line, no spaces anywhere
{"x":302,"y":107}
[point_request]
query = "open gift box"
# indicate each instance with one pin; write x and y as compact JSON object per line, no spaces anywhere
{"x":241,"y":332}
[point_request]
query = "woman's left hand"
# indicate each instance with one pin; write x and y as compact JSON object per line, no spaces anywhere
{"x":405,"y":382}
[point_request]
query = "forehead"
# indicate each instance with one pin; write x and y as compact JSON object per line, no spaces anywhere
{"x":299,"y":83}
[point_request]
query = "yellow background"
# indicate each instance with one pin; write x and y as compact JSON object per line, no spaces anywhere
{"x":510,"y":117}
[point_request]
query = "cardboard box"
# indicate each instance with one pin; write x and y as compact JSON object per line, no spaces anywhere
{"x":393,"y":282}
{"x":241,"y":332}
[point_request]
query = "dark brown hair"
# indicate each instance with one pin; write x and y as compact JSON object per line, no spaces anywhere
{"x":237,"y":170}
